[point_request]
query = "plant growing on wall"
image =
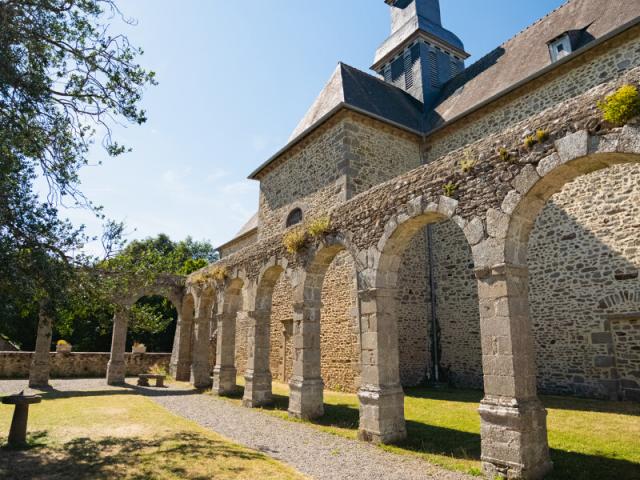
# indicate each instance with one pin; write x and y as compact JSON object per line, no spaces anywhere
{"x":542,"y":136}
{"x":529,"y":142}
{"x":621,"y":106}
{"x":294,"y":240}
{"x":219,"y":273}
{"x":319,"y":227}
{"x":505,"y":155}
{"x":468,"y":162}
{"x":449,"y":189}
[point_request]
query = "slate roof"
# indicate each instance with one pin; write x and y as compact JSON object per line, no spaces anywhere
{"x":527,"y":53}
{"x":361,"y":91}
{"x":252,"y":224}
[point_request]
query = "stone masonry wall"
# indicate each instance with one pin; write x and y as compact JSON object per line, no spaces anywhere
{"x":310,"y":177}
{"x":238,"y":244}
{"x":457,"y":307}
{"x":376,"y":154}
{"x":79,"y":364}
{"x":281,"y":354}
{"x":599,"y":68}
{"x":339,"y":330}
{"x":414,"y":313}
{"x":584,"y":248}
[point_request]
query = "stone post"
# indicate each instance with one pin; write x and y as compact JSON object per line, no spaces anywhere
{"x":224,"y":373}
{"x":257,"y":389}
{"x":40,"y":362}
{"x":200,"y":362}
{"x":116,"y":368}
{"x":513,"y":421}
{"x":380,"y":394}
{"x":306,"y":386}
{"x":180,"y":366}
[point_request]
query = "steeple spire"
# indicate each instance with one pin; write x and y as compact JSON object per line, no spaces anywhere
{"x":420,"y":55}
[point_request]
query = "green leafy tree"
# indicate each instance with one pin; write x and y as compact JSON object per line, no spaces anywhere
{"x":64,"y":80}
{"x":86,"y":319}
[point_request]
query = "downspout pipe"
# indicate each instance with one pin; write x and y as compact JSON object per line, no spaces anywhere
{"x":433,"y":285}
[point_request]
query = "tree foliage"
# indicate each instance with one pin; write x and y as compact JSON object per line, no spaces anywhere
{"x":65,"y":80}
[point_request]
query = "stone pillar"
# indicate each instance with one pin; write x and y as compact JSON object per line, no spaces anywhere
{"x":306,"y":386}
{"x":257,"y":389}
{"x":180,"y":366}
{"x":200,"y":361}
{"x":40,"y":362}
{"x":380,"y":394}
{"x":116,"y":368}
{"x":224,"y":373}
{"x":513,"y":421}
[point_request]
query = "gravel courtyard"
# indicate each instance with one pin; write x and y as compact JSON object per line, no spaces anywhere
{"x":317,"y":454}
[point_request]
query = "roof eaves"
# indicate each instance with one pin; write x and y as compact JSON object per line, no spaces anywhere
{"x":321,"y":121}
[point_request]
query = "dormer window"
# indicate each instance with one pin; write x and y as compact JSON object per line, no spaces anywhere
{"x":560,"y":47}
{"x":294,"y":218}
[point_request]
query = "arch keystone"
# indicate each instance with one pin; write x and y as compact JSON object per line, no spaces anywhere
{"x":573,"y":146}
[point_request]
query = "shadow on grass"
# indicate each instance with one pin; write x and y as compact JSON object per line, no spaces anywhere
{"x":169,"y":456}
{"x":49,"y":393}
{"x":550,"y":401}
{"x":429,"y":439}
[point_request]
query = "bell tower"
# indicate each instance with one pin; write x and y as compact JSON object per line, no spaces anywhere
{"x":420,"y":55}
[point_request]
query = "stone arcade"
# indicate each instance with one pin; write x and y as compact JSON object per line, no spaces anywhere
{"x":523,"y":277}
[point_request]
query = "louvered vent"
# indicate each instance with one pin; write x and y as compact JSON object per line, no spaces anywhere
{"x":408,"y":72}
{"x":433,"y":69}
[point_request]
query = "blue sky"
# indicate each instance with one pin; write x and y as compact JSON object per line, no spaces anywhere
{"x":235,"y":77}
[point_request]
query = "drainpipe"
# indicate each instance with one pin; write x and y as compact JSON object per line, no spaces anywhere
{"x":435,"y":346}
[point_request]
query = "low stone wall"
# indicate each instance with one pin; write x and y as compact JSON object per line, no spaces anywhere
{"x":79,"y":364}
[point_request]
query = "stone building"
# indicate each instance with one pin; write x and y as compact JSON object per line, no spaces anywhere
{"x":576,"y":261}
{"x":473,"y":225}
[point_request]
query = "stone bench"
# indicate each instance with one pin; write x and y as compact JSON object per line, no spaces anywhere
{"x":143,"y":379}
{"x":18,"y":430}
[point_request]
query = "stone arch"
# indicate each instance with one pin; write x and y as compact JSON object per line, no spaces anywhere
{"x":381,"y":395}
{"x":168,"y":286}
{"x":506,"y":330}
{"x":229,"y":308}
{"x":306,"y":385}
{"x":576,"y":155}
{"x":258,"y":377}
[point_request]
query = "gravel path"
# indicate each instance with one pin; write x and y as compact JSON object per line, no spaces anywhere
{"x":317,"y":454}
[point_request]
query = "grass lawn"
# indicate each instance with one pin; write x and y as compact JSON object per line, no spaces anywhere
{"x":589,"y":439}
{"x":107,"y":435}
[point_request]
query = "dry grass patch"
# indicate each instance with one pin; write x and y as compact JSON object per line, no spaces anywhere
{"x":107,"y":436}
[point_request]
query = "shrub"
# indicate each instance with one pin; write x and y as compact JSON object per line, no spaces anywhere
{"x":294,"y":240}
{"x":319,"y":227}
{"x":542,"y":136}
{"x":449,"y":189}
{"x":529,"y":142}
{"x":468,"y":162}
{"x":621,"y":106}
{"x":219,"y":273}
{"x":157,"y":369}
{"x":62,"y":343}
